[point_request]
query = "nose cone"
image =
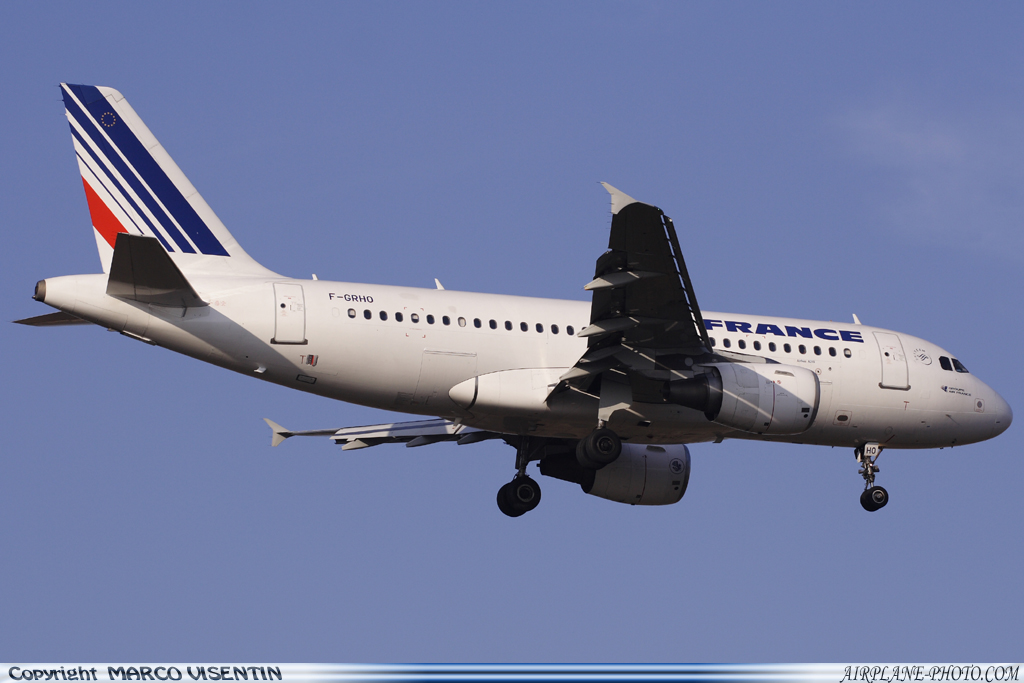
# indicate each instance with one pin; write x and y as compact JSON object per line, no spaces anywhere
{"x":1002,"y":413}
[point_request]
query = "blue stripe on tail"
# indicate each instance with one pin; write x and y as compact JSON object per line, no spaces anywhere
{"x":100,"y":114}
{"x":120,"y":191}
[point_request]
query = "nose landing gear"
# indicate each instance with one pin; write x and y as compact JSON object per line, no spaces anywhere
{"x":874,"y":497}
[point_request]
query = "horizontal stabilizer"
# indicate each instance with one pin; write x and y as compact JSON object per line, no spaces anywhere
{"x":142,"y":271}
{"x":280,"y":433}
{"x":53,"y":320}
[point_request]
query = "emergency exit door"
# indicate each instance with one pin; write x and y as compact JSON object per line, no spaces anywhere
{"x":894,"y":361}
{"x":290,"y":314}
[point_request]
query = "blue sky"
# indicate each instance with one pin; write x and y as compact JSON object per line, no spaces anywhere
{"x":819,"y":160}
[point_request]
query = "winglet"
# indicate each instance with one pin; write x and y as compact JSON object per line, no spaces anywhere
{"x":620,"y":199}
{"x":280,"y":433}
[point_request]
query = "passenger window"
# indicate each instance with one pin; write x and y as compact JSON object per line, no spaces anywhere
{"x":446,"y":320}
{"x":726,"y":342}
{"x":430,"y":319}
{"x":742,"y":344}
{"x":493,"y":324}
{"x":802,"y":348}
{"x":477,"y":323}
{"x":383,"y":315}
{"x":554,"y":329}
{"x":462,"y":322}
{"x":772,"y":347}
{"x":757,"y":346}
{"x":817,"y":350}
{"x":415,"y":317}
{"x":944,"y":363}
{"x":540,"y":328}
{"x":787,"y":348}
{"x":398,"y":317}
{"x":524,"y":327}
{"x":367,"y":314}
{"x":832,"y":351}
{"x":569,"y":331}
{"x":351,"y":312}
{"x":959,"y":367}
{"x":848,"y":353}
{"x":508,"y":325}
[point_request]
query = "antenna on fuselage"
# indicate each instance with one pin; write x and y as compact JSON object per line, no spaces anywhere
{"x":438,"y":283}
{"x":856,"y":320}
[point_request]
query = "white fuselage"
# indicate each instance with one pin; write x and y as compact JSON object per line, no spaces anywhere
{"x":351,"y":353}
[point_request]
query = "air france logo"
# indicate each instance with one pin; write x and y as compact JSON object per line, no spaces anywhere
{"x":956,"y":390}
{"x":791,"y":330}
{"x":922,"y":357}
{"x":676,"y":465}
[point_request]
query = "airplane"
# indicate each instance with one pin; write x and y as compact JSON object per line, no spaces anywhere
{"x":606,"y":394}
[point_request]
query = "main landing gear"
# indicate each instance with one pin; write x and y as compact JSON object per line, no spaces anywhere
{"x":522,"y":494}
{"x":874,"y":497}
{"x":600,"y":448}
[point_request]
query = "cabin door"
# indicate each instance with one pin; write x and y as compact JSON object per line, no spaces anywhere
{"x":894,"y":361}
{"x":290,"y":314}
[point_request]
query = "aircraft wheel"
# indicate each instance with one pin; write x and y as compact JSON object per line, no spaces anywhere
{"x":601,"y":447}
{"x":874,"y":498}
{"x":519,"y":496}
{"x":524,"y":493}
{"x":505,"y":501}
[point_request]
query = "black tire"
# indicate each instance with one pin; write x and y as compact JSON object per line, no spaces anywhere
{"x":505,"y":501}
{"x":523,"y":494}
{"x":601,"y":447}
{"x":874,"y":498}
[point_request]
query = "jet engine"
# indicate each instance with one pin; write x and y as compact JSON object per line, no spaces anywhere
{"x":641,"y":475}
{"x":761,"y":398}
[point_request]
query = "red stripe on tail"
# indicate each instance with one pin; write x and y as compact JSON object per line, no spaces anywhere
{"x":102,"y":219}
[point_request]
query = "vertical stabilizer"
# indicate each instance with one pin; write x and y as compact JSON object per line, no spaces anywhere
{"x":132,"y":185}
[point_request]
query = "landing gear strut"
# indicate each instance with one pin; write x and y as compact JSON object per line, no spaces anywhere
{"x":874,"y":497}
{"x":522,"y":494}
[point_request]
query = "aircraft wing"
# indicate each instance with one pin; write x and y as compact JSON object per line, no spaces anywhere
{"x":412,"y":434}
{"x":644,"y":311}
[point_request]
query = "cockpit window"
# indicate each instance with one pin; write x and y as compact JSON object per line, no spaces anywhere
{"x":959,"y":367}
{"x":944,"y":363}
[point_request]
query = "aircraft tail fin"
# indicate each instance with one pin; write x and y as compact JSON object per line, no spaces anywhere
{"x":133,"y":186}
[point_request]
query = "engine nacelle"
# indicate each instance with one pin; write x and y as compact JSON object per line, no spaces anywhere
{"x":644,"y":475}
{"x":761,"y":398}
{"x":641,"y":475}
